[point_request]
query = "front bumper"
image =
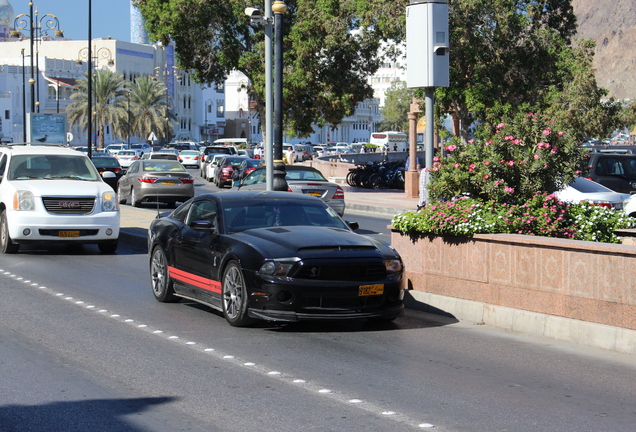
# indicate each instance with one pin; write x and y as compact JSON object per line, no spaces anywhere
{"x":27,"y":227}
{"x":297,"y":300}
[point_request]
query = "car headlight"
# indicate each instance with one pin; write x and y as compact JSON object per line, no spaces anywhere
{"x":109,"y":201}
{"x":393,"y":266}
{"x":23,"y":201}
{"x":277,"y":267}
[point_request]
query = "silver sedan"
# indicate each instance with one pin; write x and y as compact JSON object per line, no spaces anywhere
{"x":301,"y":179}
{"x":156,"y":181}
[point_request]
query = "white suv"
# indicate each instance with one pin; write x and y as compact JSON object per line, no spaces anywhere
{"x":54,"y":194}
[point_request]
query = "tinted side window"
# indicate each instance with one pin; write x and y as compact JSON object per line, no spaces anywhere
{"x":3,"y":164}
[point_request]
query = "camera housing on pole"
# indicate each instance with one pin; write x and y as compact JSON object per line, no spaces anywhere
{"x":427,"y":44}
{"x":427,"y":66}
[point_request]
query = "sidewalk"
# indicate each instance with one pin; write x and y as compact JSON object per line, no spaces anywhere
{"x":134,"y":221}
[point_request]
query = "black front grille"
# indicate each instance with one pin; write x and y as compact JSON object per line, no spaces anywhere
{"x":69,"y":205}
{"x":365,"y":272}
{"x":80,"y":233}
{"x":326,"y":301}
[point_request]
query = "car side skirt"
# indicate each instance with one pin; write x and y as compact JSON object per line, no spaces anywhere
{"x":197,"y":281}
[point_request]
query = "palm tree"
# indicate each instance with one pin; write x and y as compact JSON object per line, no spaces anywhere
{"x":151,"y":109}
{"x":108,"y":104}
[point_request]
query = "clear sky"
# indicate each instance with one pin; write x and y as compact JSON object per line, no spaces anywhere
{"x":110,"y":17}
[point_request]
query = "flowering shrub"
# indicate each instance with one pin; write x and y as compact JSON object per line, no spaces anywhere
{"x":542,"y":215}
{"x":509,"y":164}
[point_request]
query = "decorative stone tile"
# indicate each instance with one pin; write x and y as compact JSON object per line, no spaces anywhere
{"x":551,"y":269}
{"x":476,"y":261}
{"x":500,"y":263}
{"x":432,"y":253}
{"x":582,"y":274}
{"x":611,"y":278}
{"x":452,"y":261}
{"x":525,"y":271}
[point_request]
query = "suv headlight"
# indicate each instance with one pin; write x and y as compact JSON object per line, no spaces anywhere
{"x":109,"y":201}
{"x":23,"y":201}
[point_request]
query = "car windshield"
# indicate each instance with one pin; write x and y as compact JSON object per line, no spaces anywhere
{"x":587,"y":186}
{"x":242,"y":215}
{"x":106,"y":162}
{"x":189,"y":153}
{"x":126,"y":153}
{"x":159,"y":165}
{"x":29,"y":167}
{"x":233,"y":161}
{"x":304,"y":174}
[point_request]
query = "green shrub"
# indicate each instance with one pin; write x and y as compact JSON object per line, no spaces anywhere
{"x":542,"y":215}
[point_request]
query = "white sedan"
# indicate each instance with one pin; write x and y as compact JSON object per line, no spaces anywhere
{"x":582,"y":190}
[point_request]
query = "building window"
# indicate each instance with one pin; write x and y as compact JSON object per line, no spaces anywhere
{"x":7,"y":114}
{"x":219,"y":110}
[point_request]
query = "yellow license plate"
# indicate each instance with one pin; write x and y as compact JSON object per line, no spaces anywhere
{"x":68,"y":233}
{"x":314,"y":193}
{"x":367,"y":290}
{"x":169,"y":182}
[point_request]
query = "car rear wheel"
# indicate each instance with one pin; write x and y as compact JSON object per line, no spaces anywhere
{"x":162,"y":286}
{"x":133,"y":199}
{"x":235,"y":296}
{"x":6,"y":244}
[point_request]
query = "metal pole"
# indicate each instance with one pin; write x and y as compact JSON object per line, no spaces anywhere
{"x":269,"y":150}
{"x":430,"y":128}
{"x":32,"y":80}
{"x":279,"y":8}
{"x":24,"y":128}
{"x":57,"y":94}
{"x":90,"y":83}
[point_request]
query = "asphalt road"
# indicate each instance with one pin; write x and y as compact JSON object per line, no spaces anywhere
{"x":85,"y":347}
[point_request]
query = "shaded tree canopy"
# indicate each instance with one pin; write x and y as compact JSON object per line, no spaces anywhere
{"x":326,"y":64}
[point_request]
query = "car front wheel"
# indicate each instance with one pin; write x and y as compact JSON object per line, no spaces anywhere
{"x":162,"y":286}
{"x":235,"y":296}
{"x":6,"y":244}
{"x":108,"y":248}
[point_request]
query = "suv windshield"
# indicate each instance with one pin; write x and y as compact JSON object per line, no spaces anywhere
{"x":28,"y":167}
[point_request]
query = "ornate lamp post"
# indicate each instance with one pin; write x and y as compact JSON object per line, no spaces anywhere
{"x":36,"y":29}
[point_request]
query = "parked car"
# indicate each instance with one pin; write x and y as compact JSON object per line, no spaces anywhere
{"x":629,"y":206}
{"x":181,"y":146}
{"x":224,"y":170}
{"x":322,"y":151}
{"x":229,"y":150}
{"x":190,"y":158}
{"x":167,"y":154}
{"x":142,"y":148}
{"x":116,"y":148}
{"x":156,"y":181}
{"x":342,"y":149}
{"x":272,"y":256}
{"x":585,"y":190}
{"x":210,"y":169}
{"x":53,"y":194}
{"x":302,"y":180}
{"x":613,"y":170}
{"x":105,"y":164}
{"x":246,"y":167}
{"x":127,"y":157}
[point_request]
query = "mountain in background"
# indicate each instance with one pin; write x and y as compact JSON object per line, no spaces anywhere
{"x":612,"y":24}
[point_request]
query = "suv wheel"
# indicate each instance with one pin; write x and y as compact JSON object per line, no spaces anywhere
{"x":6,"y":244}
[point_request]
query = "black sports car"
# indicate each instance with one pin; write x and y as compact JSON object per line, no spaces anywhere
{"x":273,"y":256}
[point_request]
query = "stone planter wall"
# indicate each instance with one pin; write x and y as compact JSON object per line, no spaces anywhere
{"x":586,"y":281}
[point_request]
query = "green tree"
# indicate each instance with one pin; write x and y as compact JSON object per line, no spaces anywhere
{"x":150,"y":109}
{"x":326,"y":64}
{"x":397,"y":104}
{"x":504,"y":53}
{"x":108,"y":103}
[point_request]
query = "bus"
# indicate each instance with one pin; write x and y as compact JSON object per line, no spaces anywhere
{"x":231,"y":141}
{"x":390,"y":141}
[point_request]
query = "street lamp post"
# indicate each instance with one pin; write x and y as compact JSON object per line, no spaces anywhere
{"x":31,"y":23}
{"x":279,"y":183}
{"x":24,"y":129}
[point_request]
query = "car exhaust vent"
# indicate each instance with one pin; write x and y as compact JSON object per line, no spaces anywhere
{"x":69,"y":205}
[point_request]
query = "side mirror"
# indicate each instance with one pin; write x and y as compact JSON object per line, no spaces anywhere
{"x":353,"y":225}
{"x":109,"y":175}
{"x":203,"y":225}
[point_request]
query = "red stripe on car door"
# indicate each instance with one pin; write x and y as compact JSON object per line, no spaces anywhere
{"x":197,"y":281}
